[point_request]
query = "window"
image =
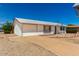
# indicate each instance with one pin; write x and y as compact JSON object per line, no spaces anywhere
{"x":62,"y":28}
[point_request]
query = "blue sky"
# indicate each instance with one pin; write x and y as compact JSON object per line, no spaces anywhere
{"x":52,"y":12}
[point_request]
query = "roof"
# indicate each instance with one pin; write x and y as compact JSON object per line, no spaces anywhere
{"x":21,"y":20}
{"x":72,"y":26}
{"x":76,"y":4}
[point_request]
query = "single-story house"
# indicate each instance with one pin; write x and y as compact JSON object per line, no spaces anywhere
{"x":28,"y":27}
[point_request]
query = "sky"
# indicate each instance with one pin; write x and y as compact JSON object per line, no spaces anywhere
{"x":52,"y":12}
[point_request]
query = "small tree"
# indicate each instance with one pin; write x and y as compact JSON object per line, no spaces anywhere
{"x":7,"y":27}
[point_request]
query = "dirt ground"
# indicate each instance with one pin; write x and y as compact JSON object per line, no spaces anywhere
{"x":10,"y":46}
{"x":45,"y":45}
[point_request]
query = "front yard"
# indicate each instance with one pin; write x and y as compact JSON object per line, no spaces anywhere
{"x":53,"y":45}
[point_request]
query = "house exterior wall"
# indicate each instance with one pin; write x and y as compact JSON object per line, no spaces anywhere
{"x":35,"y":29}
{"x":32,"y":29}
{"x":58,"y":29}
{"x":64,"y":31}
{"x":29,"y":28}
{"x":17,"y":28}
{"x":40,"y":28}
{"x":52,"y":29}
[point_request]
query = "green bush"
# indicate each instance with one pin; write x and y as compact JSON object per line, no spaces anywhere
{"x":7,"y":27}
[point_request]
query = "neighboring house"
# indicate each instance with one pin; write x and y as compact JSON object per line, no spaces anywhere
{"x":28,"y":27}
{"x":72,"y":29}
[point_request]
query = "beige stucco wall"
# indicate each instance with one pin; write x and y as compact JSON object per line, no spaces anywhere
{"x":40,"y":28}
{"x":58,"y":29}
{"x":32,"y":28}
{"x":52,"y":29}
{"x":29,"y":28}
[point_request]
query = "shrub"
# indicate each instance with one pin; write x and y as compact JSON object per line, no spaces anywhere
{"x":7,"y":27}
